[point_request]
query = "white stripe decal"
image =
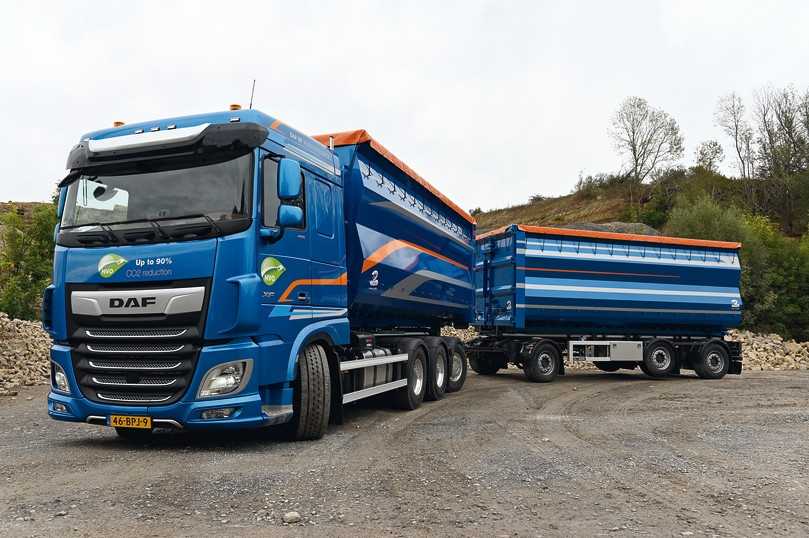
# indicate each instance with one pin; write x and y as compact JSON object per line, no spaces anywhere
{"x":637,"y":291}
{"x":315,"y":314}
{"x":624,"y":259}
{"x":618,"y":309}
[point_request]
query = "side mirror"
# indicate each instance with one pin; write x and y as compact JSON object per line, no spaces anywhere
{"x":290,"y":216}
{"x":289,"y":179}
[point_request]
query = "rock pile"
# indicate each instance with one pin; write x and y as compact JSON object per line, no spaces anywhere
{"x":770,"y":351}
{"x":24,"y":354}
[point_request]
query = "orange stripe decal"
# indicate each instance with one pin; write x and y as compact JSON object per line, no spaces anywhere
{"x":275,"y":124}
{"x":390,"y":247}
{"x":341,"y":280}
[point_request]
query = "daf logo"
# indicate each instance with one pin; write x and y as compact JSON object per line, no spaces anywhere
{"x":132,"y":302}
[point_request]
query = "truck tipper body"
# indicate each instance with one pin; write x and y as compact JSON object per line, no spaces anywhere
{"x":617,"y":300}
{"x":226,"y":270}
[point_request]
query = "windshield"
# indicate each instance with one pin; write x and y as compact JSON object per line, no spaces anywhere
{"x":220,"y":192}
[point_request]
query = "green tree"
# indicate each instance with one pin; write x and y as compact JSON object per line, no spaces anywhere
{"x":26,"y":261}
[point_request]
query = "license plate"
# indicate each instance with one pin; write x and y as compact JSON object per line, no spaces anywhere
{"x":129,"y":421}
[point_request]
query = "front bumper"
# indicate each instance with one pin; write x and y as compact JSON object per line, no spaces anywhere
{"x":257,"y":405}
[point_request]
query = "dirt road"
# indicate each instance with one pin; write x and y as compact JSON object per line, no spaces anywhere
{"x":592,"y":454}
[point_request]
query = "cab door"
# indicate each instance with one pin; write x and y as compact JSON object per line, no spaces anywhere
{"x":283,"y":261}
{"x":329,"y":278}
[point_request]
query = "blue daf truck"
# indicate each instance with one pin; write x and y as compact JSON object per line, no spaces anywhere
{"x":226,"y":270}
{"x":657,"y":303}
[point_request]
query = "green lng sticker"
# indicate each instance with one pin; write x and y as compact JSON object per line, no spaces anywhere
{"x":271,"y":270}
{"x":108,"y":265}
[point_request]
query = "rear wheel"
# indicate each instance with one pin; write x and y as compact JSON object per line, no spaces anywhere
{"x":607,"y":366}
{"x":658,"y":359}
{"x":457,"y":367}
{"x":312,"y":400}
{"x":486,"y":363}
{"x":437,"y":367}
{"x":411,"y":395}
{"x":542,"y":365}
{"x":713,"y":362}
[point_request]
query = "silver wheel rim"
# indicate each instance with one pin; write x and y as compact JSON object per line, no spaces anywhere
{"x":545,"y":363}
{"x":715,"y":362}
{"x":440,"y":370}
{"x":661,"y":358}
{"x":457,"y":367}
{"x":418,"y":376}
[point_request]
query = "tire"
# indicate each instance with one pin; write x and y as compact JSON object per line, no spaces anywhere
{"x":543,"y":364}
{"x":457,"y":366}
{"x":411,"y":395}
{"x":486,"y":363}
{"x":132,"y":435}
{"x":658,"y":359}
{"x":312,"y":395}
{"x":607,"y":366}
{"x":437,"y":369}
{"x":713,"y":362}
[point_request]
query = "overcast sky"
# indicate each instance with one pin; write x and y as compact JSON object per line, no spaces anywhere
{"x":490,"y":101}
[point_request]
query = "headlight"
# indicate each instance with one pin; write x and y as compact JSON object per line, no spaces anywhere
{"x":59,"y":379}
{"x":226,"y":378}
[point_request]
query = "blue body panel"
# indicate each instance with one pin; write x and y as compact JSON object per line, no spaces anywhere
{"x":410,"y":255}
{"x":546,"y":284}
{"x":326,"y":289}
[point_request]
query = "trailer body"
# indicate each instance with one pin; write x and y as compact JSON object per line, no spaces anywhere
{"x":226,"y":270}
{"x":598,"y":295}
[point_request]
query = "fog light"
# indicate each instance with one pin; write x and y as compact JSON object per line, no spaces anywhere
{"x":59,"y":379}
{"x":227,"y":378}
{"x":222,"y":412}
{"x":59,"y":408}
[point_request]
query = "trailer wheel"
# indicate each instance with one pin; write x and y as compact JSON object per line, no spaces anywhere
{"x":312,"y":395}
{"x":542,"y":365}
{"x":485,"y":363}
{"x":658,"y":359}
{"x":437,"y":368}
{"x":457,"y":366}
{"x":713,"y":362}
{"x":607,"y":366}
{"x":411,"y":395}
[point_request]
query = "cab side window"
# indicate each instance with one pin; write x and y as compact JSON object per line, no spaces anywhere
{"x":271,"y":201}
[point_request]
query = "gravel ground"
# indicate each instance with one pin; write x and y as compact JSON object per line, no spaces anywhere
{"x":591,"y":454}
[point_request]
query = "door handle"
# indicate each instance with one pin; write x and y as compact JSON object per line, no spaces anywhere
{"x":303,"y":297}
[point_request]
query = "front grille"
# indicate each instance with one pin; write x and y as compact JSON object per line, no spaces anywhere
{"x":136,"y":359}
{"x":105,"y":364}
{"x":134,"y":397}
{"x":135,"y":348}
{"x":135,"y":333}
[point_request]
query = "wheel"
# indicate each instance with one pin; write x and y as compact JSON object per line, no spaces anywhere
{"x":713,"y":362}
{"x":457,"y":366}
{"x":437,"y":369}
{"x":658,"y":359}
{"x":542,"y":365}
{"x":607,"y":366}
{"x":312,"y":395}
{"x":411,"y":395}
{"x":486,"y":363}
{"x":133,"y":435}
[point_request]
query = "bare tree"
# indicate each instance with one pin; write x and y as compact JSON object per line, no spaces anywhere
{"x":709,"y":154}
{"x":646,"y":136}
{"x":783,"y":138}
{"x":730,"y":116}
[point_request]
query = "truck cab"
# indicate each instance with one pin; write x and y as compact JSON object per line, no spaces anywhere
{"x":197,"y":259}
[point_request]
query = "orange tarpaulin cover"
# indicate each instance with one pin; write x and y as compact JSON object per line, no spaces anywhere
{"x":659,"y":239}
{"x":350,"y":138}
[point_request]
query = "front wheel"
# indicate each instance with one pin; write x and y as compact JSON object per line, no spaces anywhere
{"x":543,"y":364}
{"x":312,"y":396}
{"x":713,"y":362}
